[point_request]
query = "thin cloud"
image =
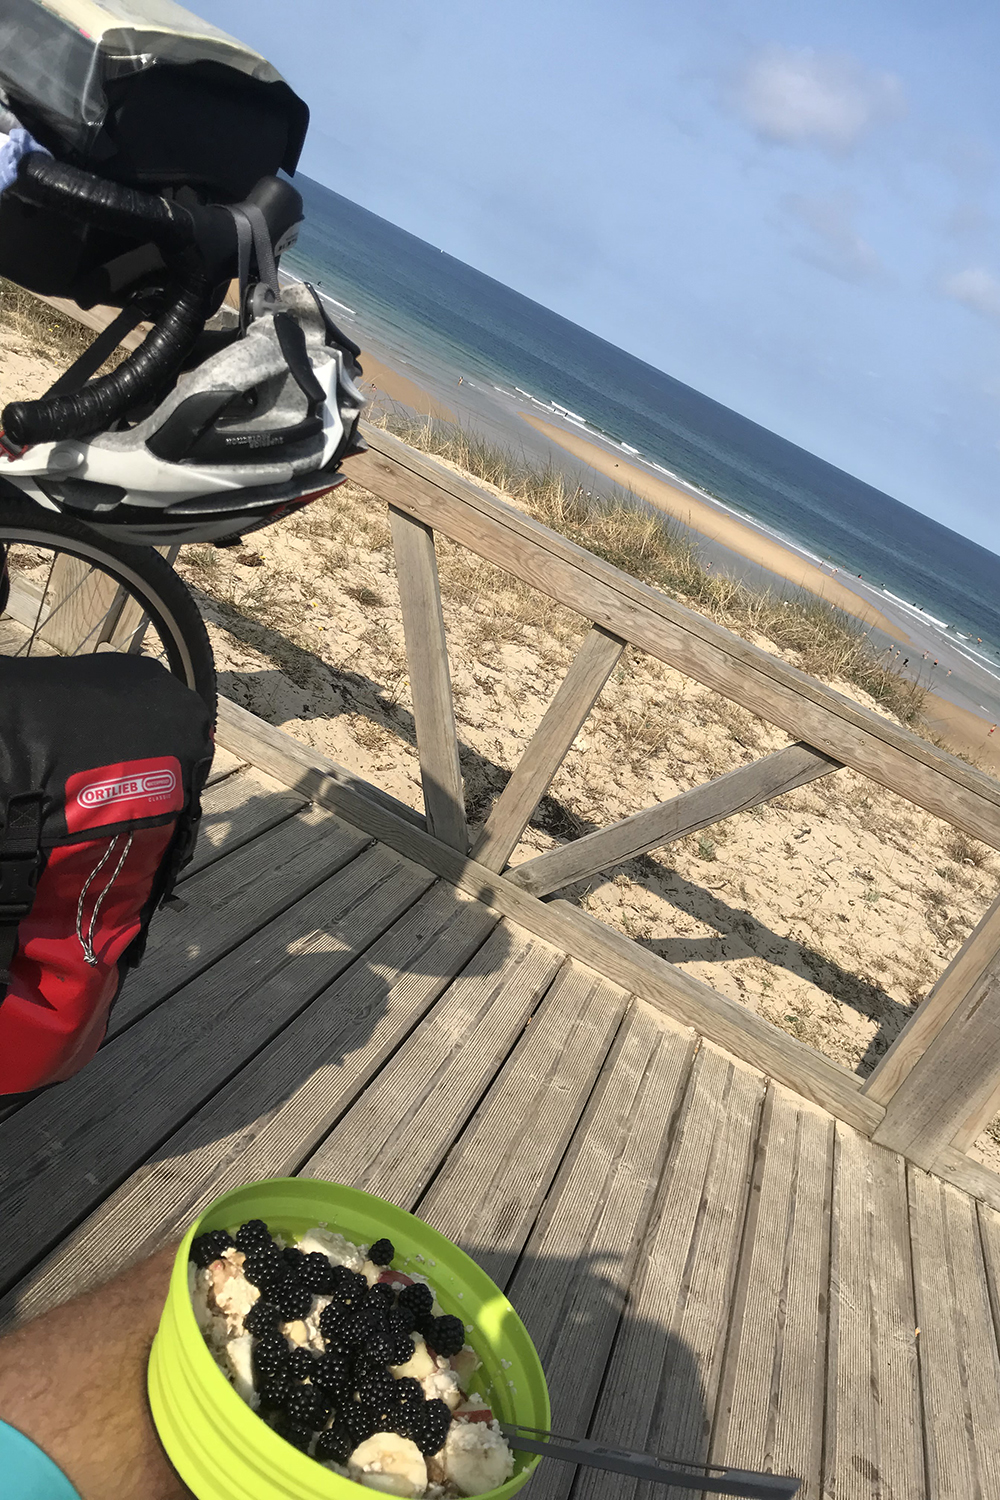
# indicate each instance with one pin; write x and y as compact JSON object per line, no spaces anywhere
{"x":834,"y":243}
{"x":801,"y":97}
{"x":975,"y":288}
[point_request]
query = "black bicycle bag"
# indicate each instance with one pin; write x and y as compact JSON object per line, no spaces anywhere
{"x":102,"y":763}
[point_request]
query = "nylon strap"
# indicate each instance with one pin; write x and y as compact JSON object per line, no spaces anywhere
{"x":244,"y":241}
{"x":93,"y":357}
{"x":252,"y":230}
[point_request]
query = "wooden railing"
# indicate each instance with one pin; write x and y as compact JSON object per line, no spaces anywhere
{"x":939,"y":1083}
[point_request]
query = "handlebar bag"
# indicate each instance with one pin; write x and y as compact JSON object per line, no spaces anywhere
{"x":142,"y":93}
{"x":102,"y":763}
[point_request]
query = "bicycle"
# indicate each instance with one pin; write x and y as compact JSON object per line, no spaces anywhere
{"x":198,"y":436}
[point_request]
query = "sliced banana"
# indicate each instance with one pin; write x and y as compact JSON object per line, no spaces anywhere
{"x":420,"y":1364}
{"x":475,"y":1458}
{"x":241,"y":1367}
{"x":389,"y":1463}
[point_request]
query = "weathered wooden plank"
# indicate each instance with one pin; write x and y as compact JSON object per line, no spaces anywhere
{"x":394,"y":1138}
{"x":573,"y":1278}
{"x":227,"y":902}
{"x":224,"y":763}
{"x":235,"y":810}
{"x":762,"y":683}
{"x":674,"y":1327}
{"x":959,"y":1363}
{"x":722,"y":1020}
{"x":717,"y":1018}
{"x":970,"y":1176}
{"x":874,"y":1437}
{"x":278,"y":1107}
{"x":493,"y":1182}
{"x":772,"y":1395}
{"x":430,"y":679}
{"x":954,"y":1084}
{"x":989,"y":1236}
{"x":965,"y":970}
{"x":699,"y":807}
{"x":64,"y":1152}
{"x":82,"y":605}
{"x":299,"y":765}
{"x":577,"y":693}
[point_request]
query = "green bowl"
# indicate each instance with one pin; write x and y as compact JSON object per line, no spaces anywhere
{"x":221,"y":1449}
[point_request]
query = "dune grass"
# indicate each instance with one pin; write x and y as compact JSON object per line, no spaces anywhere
{"x":622,"y":529}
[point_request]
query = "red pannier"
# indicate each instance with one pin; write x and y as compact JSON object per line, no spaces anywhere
{"x":102,"y":763}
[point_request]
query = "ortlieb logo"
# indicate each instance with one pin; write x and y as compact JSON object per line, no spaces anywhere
{"x":123,"y":793}
{"x":152,"y":784}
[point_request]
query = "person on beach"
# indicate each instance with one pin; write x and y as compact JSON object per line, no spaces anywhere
{"x":74,"y":1419}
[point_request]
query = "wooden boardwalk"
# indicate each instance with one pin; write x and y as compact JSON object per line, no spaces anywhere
{"x":710,"y":1266}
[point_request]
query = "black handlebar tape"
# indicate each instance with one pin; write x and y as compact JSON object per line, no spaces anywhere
{"x":138,"y":379}
{"x":107,"y":205}
{"x":144,"y":217}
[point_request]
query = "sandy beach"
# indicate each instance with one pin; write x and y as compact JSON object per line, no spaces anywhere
{"x":382,"y":379}
{"x":713,"y":522}
{"x":959,"y":728}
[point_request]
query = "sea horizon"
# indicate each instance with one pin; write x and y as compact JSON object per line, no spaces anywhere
{"x":488,"y":352}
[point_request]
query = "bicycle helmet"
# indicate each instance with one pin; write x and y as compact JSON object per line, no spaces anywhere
{"x":196,"y":436}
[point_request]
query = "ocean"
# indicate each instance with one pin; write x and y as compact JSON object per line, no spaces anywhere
{"x":429,"y":311}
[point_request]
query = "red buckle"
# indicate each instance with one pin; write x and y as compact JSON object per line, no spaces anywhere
{"x":9,"y":452}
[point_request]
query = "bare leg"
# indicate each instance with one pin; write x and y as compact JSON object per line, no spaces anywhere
{"x":74,"y":1381}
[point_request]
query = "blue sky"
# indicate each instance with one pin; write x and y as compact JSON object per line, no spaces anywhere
{"x":793,"y":207}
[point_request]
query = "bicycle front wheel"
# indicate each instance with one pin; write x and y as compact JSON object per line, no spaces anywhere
{"x":64,"y":590}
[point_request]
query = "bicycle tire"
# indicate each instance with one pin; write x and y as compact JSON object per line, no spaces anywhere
{"x":146,"y":577}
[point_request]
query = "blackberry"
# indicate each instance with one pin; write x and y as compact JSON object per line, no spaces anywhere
{"x":349,"y":1289}
{"x":332,"y":1319}
{"x":273,"y":1392}
{"x":402,"y":1349}
{"x":377,"y":1388}
{"x":353,"y":1332}
{"x":382,"y":1253}
{"x":331,"y":1372}
{"x":305,"y":1405}
{"x":400,"y":1321}
{"x":264,"y":1266}
{"x":447,"y":1336}
{"x":418,"y":1298}
{"x":210,"y":1246}
{"x":301,"y":1364}
{"x":379,"y":1346}
{"x":360,"y":1419}
{"x":336,"y":1443}
{"x":253,"y":1232}
{"x":291,"y":1298}
{"x":427,"y":1425}
{"x":315,"y":1272}
{"x":381,"y":1295}
{"x":262,"y":1316}
{"x":270,"y":1354}
{"x":300,"y":1436}
{"x":408,"y":1392}
{"x":293,"y":1259}
{"x":346,"y":1275}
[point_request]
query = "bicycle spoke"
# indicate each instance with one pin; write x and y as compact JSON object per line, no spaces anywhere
{"x":41,"y":606}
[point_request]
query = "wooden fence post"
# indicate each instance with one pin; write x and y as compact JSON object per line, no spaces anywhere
{"x":430,"y":679}
{"x":575,"y":697}
{"x":950,"y":1091}
{"x":962,"y":974}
